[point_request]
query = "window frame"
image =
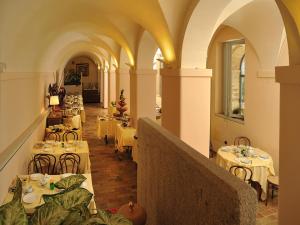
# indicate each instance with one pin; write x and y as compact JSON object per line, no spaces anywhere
{"x":227,"y":80}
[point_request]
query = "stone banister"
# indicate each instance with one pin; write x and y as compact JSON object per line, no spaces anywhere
{"x":178,"y":185}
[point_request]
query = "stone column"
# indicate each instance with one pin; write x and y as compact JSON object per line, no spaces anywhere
{"x":124,"y":83}
{"x":101,"y":86}
{"x":105,"y":89}
{"x":117,"y":72}
{"x":143,"y":94}
{"x":289,"y":154}
{"x":112,"y":86}
{"x":186,"y":105}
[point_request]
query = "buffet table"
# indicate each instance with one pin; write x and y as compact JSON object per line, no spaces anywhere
{"x":40,"y":190}
{"x":259,"y":162}
{"x":81,"y":148}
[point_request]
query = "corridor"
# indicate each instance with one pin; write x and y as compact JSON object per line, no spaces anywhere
{"x":114,"y":180}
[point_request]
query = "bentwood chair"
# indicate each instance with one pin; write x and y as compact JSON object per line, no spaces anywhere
{"x":53,"y":136}
{"x":70,"y":135}
{"x":273,"y":184}
{"x":68,"y":163}
{"x":246,"y":175}
{"x":44,"y":163}
{"x":242,"y":141}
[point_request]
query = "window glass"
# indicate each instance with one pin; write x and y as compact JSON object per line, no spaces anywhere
{"x":234,"y":79}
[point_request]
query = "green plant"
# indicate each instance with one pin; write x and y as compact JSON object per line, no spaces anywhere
{"x":13,"y":212}
{"x":68,"y":207}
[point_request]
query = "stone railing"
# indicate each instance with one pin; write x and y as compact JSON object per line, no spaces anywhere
{"x":177,"y":185}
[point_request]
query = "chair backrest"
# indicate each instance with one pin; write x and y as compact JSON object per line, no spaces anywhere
{"x":31,"y":167}
{"x":242,"y":172}
{"x":44,"y":163}
{"x":242,"y":141}
{"x":53,"y":136}
{"x":68,"y":163}
{"x":70,"y":135}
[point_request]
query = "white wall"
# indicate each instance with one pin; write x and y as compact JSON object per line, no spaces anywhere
{"x":261,"y":123}
{"x":22,"y":101}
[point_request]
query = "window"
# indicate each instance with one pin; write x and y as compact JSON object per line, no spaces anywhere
{"x":234,"y":79}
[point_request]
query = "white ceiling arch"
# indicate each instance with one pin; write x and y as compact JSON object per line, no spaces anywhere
{"x":248,"y":17}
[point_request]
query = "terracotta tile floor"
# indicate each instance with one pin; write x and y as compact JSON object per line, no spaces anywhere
{"x":115,"y":181}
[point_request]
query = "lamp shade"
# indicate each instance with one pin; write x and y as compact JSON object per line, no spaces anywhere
{"x":54,"y":100}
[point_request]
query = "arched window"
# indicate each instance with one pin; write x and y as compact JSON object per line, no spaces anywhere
{"x":234,"y":78}
{"x":156,"y":62}
{"x":242,"y":83}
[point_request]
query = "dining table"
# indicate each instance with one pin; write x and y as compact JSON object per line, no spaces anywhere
{"x":60,"y":129}
{"x":106,"y":127}
{"x":259,"y":161}
{"x":125,"y":137}
{"x":58,"y":148}
{"x":38,"y":190}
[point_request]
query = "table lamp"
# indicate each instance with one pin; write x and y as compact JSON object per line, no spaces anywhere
{"x":54,"y":101}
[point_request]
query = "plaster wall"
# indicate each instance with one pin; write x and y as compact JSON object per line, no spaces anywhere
{"x":22,"y":100}
{"x":19,"y":163}
{"x":178,"y":185}
{"x":261,"y":112}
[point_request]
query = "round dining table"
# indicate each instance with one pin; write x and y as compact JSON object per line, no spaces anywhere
{"x":259,"y":161}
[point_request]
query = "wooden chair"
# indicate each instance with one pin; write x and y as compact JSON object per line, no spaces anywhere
{"x":31,"y":167}
{"x":44,"y":163}
{"x":53,"y":136}
{"x":70,"y":135}
{"x":242,"y":141}
{"x":273,"y":184}
{"x":68,"y":163}
{"x":246,"y":174}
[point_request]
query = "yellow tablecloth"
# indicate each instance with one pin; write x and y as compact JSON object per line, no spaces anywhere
{"x":56,"y":149}
{"x":106,"y":127}
{"x":64,"y":129}
{"x":39,"y":191}
{"x":124,"y":137}
{"x":261,"y":168}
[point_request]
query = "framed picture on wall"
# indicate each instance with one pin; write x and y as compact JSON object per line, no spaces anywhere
{"x":82,"y":69}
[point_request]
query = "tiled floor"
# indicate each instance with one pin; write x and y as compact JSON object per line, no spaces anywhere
{"x":115,"y":181}
{"x":267,"y":215}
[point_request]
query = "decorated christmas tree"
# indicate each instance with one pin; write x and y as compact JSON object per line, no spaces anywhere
{"x":121,"y":105}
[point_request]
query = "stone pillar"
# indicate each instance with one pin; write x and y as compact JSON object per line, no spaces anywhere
{"x":289,"y":153}
{"x":117,"y":72}
{"x":143,"y":94}
{"x":102,"y":86}
{"x":99,"y":83}
{"x":105,"y":89}
{"x":124,"y":83}
{"x":112,"y":86}
{"x":186,"y":105}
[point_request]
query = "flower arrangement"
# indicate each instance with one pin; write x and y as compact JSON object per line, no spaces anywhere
{"x":121,"y":106}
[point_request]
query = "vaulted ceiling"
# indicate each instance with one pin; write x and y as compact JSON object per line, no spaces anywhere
{"x":35,"y":34}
